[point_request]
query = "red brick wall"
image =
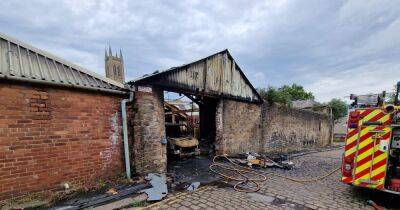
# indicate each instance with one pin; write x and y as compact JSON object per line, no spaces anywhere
{"x":49,"y":136}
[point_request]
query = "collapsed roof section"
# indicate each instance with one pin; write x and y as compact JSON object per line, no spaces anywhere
{"x":217,"y":75}
{"x":22,"y":62}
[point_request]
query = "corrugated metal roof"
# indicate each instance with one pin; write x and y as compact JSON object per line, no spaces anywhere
{"x":22,"y":62}
{"x":217,"y":75}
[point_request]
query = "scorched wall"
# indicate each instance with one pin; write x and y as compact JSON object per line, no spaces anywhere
{"x":287,"y":129}
{"x":248,"y":127}
{"x":149,"y":153}
{"x":238,"y":127}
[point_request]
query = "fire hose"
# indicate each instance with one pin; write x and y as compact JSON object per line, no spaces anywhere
{"x":244,"y":180}
{"x":254,"y":183}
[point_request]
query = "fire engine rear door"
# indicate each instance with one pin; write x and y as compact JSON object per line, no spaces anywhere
{"x":371,"y":155}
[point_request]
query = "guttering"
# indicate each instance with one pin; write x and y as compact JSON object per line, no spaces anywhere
{"x":45,"y":82}
{"x":125,"y":134}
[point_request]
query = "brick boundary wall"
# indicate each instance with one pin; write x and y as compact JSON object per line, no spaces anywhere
{"x":49,"y":136}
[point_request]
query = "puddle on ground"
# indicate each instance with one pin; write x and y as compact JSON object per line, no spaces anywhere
{"x":269,"y":200}
{"x":261,"y":198}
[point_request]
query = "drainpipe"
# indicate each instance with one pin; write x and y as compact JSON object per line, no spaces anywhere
{"x":332,"y":125}
{"x":125,"y":134}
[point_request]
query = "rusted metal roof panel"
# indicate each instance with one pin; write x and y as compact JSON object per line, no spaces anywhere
{"x":189,"y":77}
{"x":217,"y":75}
{"x":22,"y":62}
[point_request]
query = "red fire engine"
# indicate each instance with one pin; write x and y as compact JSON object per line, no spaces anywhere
{"x":372,"y":151}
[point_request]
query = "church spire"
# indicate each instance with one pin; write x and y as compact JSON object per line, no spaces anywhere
{"x":105,"y":53}
{"x":114,"y":65}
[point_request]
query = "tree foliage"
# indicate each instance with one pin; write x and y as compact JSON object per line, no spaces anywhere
{"x":339,"y":108}
{"x":285,"y":94}
{"x":273,"y":95}
{"x":296,"y":92}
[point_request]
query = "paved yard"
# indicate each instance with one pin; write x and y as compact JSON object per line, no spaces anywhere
{"x":279,"y":193}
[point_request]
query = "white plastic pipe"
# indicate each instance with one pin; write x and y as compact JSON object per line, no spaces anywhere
{"x":125,"y":134}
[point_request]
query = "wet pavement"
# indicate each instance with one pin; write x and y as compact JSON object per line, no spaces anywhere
{"x":280,"y":193}
{"x":191,"y":169}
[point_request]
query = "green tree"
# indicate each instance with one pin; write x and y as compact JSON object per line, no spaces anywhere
{"x":296,"y":92}
{"x":273,"y":95}
{"x":285,"y":94}
{"x":339,"y":108}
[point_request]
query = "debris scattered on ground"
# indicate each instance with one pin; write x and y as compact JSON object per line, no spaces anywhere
{"x":193,"y":186}
{"x":259,"y":160}
{"x":92,"y":201}
{"x":126,"y":203}
{"x":139,"y":180}
{"x":247,"y":179}
{"x":27,"y":205}
{"x":66,"y":186}
{"x":188,"y":170}
{"x":287,"y":164}
{"x":112,"y":191}
{"x":159,"y":187}
{"x":252,"y":160}
{"x":373,"y":204}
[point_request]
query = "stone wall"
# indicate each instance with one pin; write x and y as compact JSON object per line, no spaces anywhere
{"x":50,"y":136}
{"x":149,"y":154}
{"x":244,"y":127}
{"x":288,"y":129}
{"x":238,"y":127}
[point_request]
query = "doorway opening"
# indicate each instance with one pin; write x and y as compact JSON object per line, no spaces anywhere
{"x":190,"y":125}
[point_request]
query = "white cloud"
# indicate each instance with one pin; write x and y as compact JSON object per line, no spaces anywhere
{"x":317,"y":44}
{"x":369,"y":78}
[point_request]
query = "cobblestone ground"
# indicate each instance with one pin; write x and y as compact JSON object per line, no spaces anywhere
{"x":279,"y":193}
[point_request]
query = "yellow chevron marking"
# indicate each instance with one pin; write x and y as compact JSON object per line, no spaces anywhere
{"x":362,"y":156}
{"x":365,"y":143}
{"x":350,"y":151}
{"x":352,"y":138}
{"x":378,"y":170}
{"x":373,"y":173}
{"x":371,"y":115}
{"x":364,"y":131}
{"x":381,"y":157}
{"x":366,"y":154}
{"x":384,"y":118}
{"x":355,"y":137}
{"x":370,"y":139}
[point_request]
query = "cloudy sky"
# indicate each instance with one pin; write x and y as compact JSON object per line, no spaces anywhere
{"x":332,"y":48}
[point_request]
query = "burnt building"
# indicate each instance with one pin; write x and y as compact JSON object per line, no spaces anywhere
{"x":60,"y":123}
{"x":233,"y":117}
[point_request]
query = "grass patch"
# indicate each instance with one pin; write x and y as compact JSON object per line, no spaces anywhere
{"x":139,"y":204}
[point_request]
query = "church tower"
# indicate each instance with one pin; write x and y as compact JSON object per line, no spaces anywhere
{"x":114,"y":66}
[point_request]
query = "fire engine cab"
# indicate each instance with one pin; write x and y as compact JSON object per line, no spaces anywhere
{"x":371,"y":156}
